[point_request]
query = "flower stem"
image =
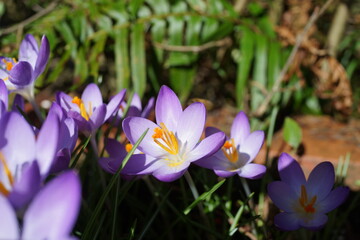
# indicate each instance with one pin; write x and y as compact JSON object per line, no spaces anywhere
{"x":37,"y":110}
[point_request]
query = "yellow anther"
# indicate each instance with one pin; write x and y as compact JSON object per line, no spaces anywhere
{"x":128,"y":147}
{"x":230,"y":151}
{"x":308,"y":206}
{"x":10,"y":177}
{"x":81,"y":105}
{"x":166,"y":139}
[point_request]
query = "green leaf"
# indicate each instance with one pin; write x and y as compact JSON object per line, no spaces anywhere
{"x":203,"y":196}
{"x":122,"y":66}
{"x":138,"y":64}
{"x":181,"y":80}
{"x":292,"y":133}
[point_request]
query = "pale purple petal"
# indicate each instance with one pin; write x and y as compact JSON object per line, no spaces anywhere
{"x":114,"y":103}
{"x":168,"y":108}
{"x":216,"y":161}
{"x":54,"y":210}
{"x":9,"y":227}
{"x":207,"y":146}
{"x":98,"y":117}
{"x":211,"y":130}
{"x":252,"y":171}
{"x":140,"y":164}
{"x":291,"y":172}
{"x":148,"y":108}
{"x":287,"y":221}
{"x":29,"y":50}
{"x":166,"y":174}
{"x":92,"y":97}
{"x":68,"y":134}
{"x":317,"y":221}
{"x":43,"y":57}
{"x":252,"y":145}
{"x":17,"y":133}
{"x":240,"y":128}
{"x":81,"y":122}
{"x":27,"y":186}
{"x":4,"y":93}
{"x":47,"y":142}
{"x":282,"y":195}
{"x":65,"y":101}
{"x":134,"y":127}
{"x":21,"y":74}
{"x":136,"y":102}
{"x":191,"y":125}
{"x":224,"y":174}
{"x":321,"y":180}
{"x":18,"y":103}
{"x":333,"y":200}
{"x":61,"y":162}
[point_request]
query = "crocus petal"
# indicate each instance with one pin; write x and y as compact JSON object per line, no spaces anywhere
{"x":61,"y":162}
{"x":191,"y":125}
{"x":224,"y":174}
{"x":333,"y":200}
{"x":287,"y":221}
{"x":317,"y":221}
{"x":18,"y":103}
{"x":282,"y":195}
{"x":114,"y":103}
{"x":321,"y":180}
{"x":136,"y":101}
{"x":114,"y":148}
{"x":98,"y":117}
{"x":4,"y":93}
{"x":21,"y":74}
{"x":252,"y":145}
{"x":81,"y":122}
{"x":148,"y":108}
{"x":65,"y":101}
{"x":134,"y":127}
{"x":43,"y":57}
{"x":17,"y":134}
{"x":140,"y":164}
{"x":27,"y":186}
{"x":252,"y":171}
{"x":29,"y":50}
{"x":58,"y":201}
{"x":207,"y":147}
{"x":47,"y":142}
{"x":291,"y":172}
{"x":211,"y":130}
{"x":216,"y":161}
{"x":166,"y":175}
{"x":91,"y":96}
{"x":68,"y":134}
{"x":240,"y":128}
{"x":168,"y":108}
{"x":9,"y":227}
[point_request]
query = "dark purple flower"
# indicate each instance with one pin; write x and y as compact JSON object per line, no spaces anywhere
{"x":238,"y":152}
{"x":89,"y":111}
{"x":174,"y":142}
{"x":51,"y":215}
{"x":19,"y":76}
{"x":304,"y":203}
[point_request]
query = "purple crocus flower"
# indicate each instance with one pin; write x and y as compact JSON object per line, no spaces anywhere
{"x":89,"y":111}
{"x":25,"y":158}
{"x":3,"y":98}
{"x":138,"y":164}
{"x":51,"y":215}
{"x":304,"y":203}
{"x":19,"y":76}
{"x":173,"y":142}
{"x":238,"y":152}
{"x":68,"y":134}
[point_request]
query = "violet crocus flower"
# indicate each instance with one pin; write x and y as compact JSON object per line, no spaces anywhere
{"x":304,"y":203}
{"x":3,"y":98}
{"x":138,"y":164}
{"x":19,"y":76}
{"x":174,"y":142}
{"x":89,"y":111}
{"x":238,"y":152}
{"x":25,"y":159}
{"x":51,"y":215}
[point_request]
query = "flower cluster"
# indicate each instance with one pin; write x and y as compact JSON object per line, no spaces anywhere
{"x":30,"y":156}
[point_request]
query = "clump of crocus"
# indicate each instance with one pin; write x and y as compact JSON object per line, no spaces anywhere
{"x":89,"y":111}
{"x":174,"y":141}
{"x":20,"y":75}
{"x":51,"y":215}
{"x":238,"y":151}
{"x":304,"y":203}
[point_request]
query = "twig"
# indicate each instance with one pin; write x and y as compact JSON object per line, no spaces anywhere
{"x":314,"y":16}
{"x":220,"y":43}
{"x":29,"y":20}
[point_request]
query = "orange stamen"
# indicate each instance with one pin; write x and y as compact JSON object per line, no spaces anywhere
{"x":128,"y":147}
{"x":230,"y":151}
{"x":168,"y":140}
{"x":308,"y":206}
{"x":81,"y":105}
{"x":10,"y":177}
